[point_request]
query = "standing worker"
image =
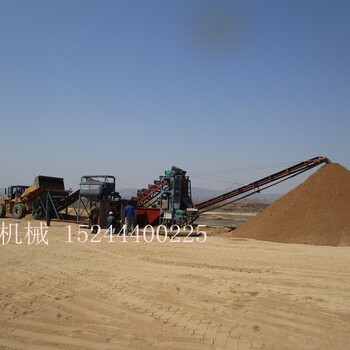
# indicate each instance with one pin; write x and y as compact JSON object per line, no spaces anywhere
{"x":93,"y":217}
{"x":48,"y":212}
{"x":48,"y":215}
{"x":129,"y":217}
{"x":111,"y":222}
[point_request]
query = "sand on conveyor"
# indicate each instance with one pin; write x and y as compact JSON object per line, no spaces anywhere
{"x":316,"y":212}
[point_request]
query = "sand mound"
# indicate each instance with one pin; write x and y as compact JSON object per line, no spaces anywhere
{"x":316,"y":212}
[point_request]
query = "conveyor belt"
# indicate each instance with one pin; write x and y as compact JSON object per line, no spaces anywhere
{"x":151,"y":193}
{"x":257,"y":186}
{"x":67,"y":201}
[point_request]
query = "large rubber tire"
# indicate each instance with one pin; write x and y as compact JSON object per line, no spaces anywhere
{"x":2,"y":210}
{"x":24,"y":210}
{"x":19,"y":211}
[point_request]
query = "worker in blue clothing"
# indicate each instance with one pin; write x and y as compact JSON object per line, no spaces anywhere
{"x":129,"y":218}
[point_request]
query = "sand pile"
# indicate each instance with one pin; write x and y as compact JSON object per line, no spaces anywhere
{"x":316,"y":212}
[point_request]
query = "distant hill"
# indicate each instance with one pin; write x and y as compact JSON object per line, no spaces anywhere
{"x":202,"y":194}
{"x":127,"y":193}
{"x":265,"y":197}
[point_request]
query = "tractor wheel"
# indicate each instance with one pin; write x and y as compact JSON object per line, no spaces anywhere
{"x":19,"y":211}
{"x":2,"y":210}
{"x":24,"y":210}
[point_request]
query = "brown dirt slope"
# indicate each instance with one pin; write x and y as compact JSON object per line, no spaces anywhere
{"x":315,"y":212}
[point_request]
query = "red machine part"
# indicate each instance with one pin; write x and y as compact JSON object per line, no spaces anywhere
{"x":148,"y":216}
{"x":151,"y":193}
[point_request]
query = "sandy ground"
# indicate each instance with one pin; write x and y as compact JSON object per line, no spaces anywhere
{"x":224,"y":293}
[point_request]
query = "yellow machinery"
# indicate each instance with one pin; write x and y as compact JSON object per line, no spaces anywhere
{"x":20,"y":200}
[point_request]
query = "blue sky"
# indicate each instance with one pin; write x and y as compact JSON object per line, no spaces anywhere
{"x":129,"y":88}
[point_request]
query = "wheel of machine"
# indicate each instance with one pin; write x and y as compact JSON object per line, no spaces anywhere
{"x":2,"y":210}
{"x":19,"y":211}
{"x":24,"y":210}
